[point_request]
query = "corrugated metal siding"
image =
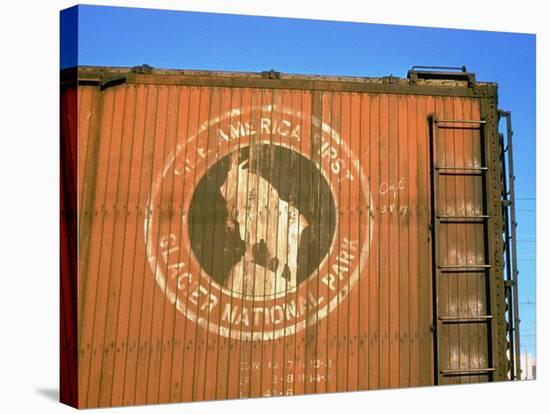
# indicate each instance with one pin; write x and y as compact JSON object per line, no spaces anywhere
{"x":136,"y":346}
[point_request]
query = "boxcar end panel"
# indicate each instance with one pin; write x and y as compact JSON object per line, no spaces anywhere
{"x":245,"y":241}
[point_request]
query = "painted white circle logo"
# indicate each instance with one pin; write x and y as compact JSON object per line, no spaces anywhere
{"x":251,"y":236}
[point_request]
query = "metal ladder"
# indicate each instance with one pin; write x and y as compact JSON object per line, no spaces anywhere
{"x":440,"y":270}
{"x":510,"y":250}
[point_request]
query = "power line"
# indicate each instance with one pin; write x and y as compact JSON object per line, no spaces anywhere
{"x":528,"y":302}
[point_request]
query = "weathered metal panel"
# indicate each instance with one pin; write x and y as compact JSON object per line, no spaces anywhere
{"x":244,"y":237}
{"x":68,"y":259}
{"x":463,"y":246}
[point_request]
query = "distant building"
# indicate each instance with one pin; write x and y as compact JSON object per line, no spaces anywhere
{"x":528,"y":366}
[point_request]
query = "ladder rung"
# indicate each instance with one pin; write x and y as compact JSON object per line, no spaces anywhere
{"x":476,"y":268}
{"x":460,"y":121}
{"x":462,"y":168}
{"x":474,"y":371}
{"x":463,"y":217}
{"x":462,"y":173}
{"x":459,"y":319}
{"x":454,"y":219}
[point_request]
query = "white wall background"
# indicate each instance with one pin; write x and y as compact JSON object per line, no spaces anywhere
{"x":29,"y":186}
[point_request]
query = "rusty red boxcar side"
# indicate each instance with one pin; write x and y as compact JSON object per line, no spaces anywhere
{"x":230,"y":235}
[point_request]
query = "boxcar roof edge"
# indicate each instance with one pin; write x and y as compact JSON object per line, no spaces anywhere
{"x":107,"y":76}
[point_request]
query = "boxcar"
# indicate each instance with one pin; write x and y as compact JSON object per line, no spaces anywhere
{"x":232,"y":235}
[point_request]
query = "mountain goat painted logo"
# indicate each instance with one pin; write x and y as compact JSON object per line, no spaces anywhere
{"x":259,"y":224}
{"x":251,"y":230}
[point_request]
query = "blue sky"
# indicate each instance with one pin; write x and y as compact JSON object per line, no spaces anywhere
{"x":111,"y":36}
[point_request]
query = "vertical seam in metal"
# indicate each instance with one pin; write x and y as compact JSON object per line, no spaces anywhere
{"x":144,"y":137}
{"x":272,"y":156}
{"x":175,"y":120}
{"x":197,"y":358}
{"x":478,"y":192}
{"x":219,"y":337}
{"x":131,"y":151}
{"x":150,"y":213}
{"x":359,"y":334}
{"x":299,"y":168}
{"x":241,"y":351}
{"x":238,"y":151}
{"x":102,"y":358}
{"x":136,"y":235}
{"x":488,"y":245}
{"x":211,"y":111}
{"x":435,"y":240}
{"x":192,"y":231}
{"x":85,"y":231}
{"x":350,"y":213}
{"x":98,"y":275}
{"x":248,"y":350}
{"x":187,"y":91}
{"x":147,"y":209}
{"x":489,"y":132}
